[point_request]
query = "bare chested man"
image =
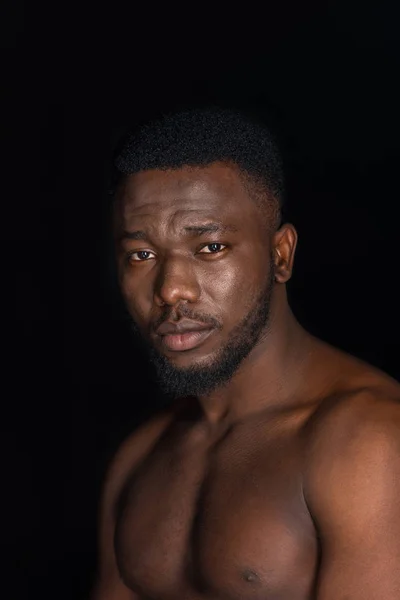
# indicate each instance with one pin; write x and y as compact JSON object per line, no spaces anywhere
{"x":275,"y":471}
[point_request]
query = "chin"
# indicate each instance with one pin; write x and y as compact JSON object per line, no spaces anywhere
{"x":190,"y":360}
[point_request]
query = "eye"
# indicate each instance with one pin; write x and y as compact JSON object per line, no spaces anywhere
{"x":213,"y":248}
{"x":140,"y":256}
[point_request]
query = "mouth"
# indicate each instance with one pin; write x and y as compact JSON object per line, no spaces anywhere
{"x":180,"y":342}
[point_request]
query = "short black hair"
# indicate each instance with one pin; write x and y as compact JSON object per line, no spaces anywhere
{"x":199,"y":137}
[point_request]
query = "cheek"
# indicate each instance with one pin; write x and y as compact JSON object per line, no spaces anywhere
{"x":220,"y":285}
{"x":232,"y":286}
{"x":137,"y":298}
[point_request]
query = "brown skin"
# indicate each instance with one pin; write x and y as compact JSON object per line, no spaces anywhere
{"x":283,"y":484}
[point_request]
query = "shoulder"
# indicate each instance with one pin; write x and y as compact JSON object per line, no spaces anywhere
{"x":356,"y":398}
{"x":351,"y":480}
{"x":353,"y":445}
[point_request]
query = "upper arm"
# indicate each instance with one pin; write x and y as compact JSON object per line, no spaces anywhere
{"x":353,"y":491}
{"x":109,"y":585}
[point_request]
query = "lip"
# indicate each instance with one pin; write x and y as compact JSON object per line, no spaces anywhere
{"x":179,"y":342}
{"x":180,"y":327}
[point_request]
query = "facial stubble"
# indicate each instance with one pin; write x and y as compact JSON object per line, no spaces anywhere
{"x":201,"y":380}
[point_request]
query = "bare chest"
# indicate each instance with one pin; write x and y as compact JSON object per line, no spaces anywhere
{"x":225,"y":520}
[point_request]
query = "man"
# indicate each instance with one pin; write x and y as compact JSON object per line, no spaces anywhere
{"x":275,"y":471}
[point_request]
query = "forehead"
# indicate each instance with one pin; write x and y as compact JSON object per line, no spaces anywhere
{"x":187,"y":193}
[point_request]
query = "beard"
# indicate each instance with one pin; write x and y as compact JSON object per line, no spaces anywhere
{"x":201,"y":380}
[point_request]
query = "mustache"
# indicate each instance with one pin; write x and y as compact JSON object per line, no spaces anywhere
{"x":185,"y":312}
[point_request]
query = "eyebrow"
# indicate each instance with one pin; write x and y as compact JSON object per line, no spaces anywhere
{"x":192,"y":229}
{"x":210,"y":228}
{"x":133,"y":235}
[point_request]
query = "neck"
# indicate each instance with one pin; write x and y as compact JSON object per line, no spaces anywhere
{"x":268,"y":377}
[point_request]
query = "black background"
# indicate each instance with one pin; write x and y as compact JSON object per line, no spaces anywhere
{"x":73,"y":79}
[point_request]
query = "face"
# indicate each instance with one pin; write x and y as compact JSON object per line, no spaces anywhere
{"x":196,"y":272}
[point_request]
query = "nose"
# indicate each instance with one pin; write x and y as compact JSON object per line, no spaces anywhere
{"x":176,"y":282}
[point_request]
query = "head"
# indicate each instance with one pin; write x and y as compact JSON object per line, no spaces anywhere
{"x":200,"y":246}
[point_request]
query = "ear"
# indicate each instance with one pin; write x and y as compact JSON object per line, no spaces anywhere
{"x":284,"y":247}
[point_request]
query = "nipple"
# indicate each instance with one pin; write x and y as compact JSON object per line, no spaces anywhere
{"x":250,"y":576}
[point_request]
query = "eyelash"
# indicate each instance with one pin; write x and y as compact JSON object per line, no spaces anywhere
{"x":131,"y":254}
{"x":213,"y":244}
